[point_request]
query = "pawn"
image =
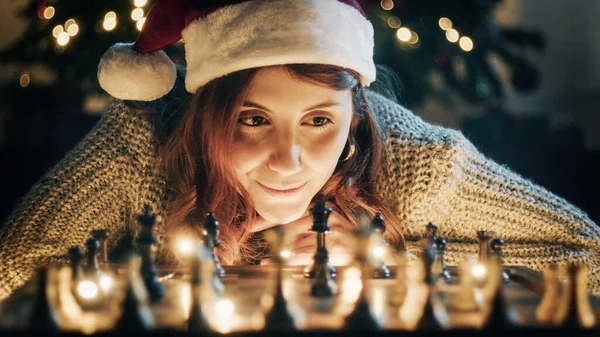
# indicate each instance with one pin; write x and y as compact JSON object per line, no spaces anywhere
{"x":380,"y":269}
{"x":197,"y":321}
{"x":136,"y":314}
{"x":147,"y":242}
{"x":500,"y":314}
{"x":574,"y":309}
{"x":75,"y":257}
{"x":464,"y":300}
{"x":91,"y":268}
{"x":42,"y":317}
{"x":547,"y":307}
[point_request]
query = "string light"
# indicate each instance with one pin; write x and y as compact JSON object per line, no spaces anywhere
{"x":414,"y":38}
{"x":137,"y":14}
{"x":466,"y":43}
{"x":394,"y":22}
{"x":73,"y":29}
{"x":140,"y":23}
{"x":110,"y":21}
{"x":63,"y":39}
{"x":403,"y":34}
{"x":57,"y":30}
{"x":140,"y":3}
{"x":445,"y":23}
{"x":24,"y":80}
{"x":49,"y":12}
{"x":387,"y":4}
{"x":452,"y":35}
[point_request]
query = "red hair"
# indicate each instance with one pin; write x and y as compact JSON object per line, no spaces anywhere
{"x":198,"y":168}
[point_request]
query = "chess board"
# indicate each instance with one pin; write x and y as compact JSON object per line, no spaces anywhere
{"x":240,"y":309}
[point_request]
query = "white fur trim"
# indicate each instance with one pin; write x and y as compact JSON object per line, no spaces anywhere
{"x":127,"y":74}
{"x":270,"y":32}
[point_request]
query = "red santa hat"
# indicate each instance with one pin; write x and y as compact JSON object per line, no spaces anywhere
{"x":224,"y":36}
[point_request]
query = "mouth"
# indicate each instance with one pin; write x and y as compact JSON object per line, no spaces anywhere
{"x":284,"y":191}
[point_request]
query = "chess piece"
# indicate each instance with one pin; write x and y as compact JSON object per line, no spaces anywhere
{"x":212,"y":242}
{"x":378,"y":226}
{"x":92,"y":269}
{"x":500,"y":315}
{"x":362,"y":317}
{"x":147,"y":248}
{"x":485,"y":238}
{"x":42,"y":318}
{"x":101,"y":235}
{"x":278,"y":317}
{"x":320,"y":265}
{"x":438,"y":268}
{"x":574,"y":309}
{"x":429,"y":320}
{"x":136,"y":314}
{"x":547,"y":307}
{"x":464,"y":300}
{"x":197,"y":321}
{"x":496,"y":246}
{"x":75,"y":257}
{"x":400,"y":287}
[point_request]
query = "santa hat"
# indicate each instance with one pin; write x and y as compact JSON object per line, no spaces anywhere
{"x":224,"y":36}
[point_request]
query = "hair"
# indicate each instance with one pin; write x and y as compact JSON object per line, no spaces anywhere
{"x":198,"y":169}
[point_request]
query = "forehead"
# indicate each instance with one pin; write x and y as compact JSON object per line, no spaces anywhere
{"x":276,"y":83}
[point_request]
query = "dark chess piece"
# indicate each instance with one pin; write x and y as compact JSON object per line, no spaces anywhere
{"x":212,"y":242}
{"x":320,"y":266}
{"x":496,"y":246}
{"x":136,"y":314}
{"x":362,"y":317}
{"x":75,"y":258}
{"x":197,"y":321}
{"x":91,"y":268}
{"x":147,"y":246}
{"x":485,"y":239}
{"x":378,"y":226}
{"x":438,"y":268}
{"x":500,"y":315}
{"x":101,"y":235}
{"x":42,"y":317}
{"x":278,"y":317}
{"x":575,"y":310}
{"x":428,"y":320}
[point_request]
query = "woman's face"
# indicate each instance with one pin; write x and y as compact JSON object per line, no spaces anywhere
{"x":289,"y":137}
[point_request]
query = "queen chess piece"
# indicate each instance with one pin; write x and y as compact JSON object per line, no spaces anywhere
{"x":147,"y":249}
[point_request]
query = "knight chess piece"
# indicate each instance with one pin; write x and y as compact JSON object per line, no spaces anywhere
{"x":92,"y":269}
{"x":42,"y":317}
{"x":101,"y":236}
{"x":135,"y":314}
{"x":212,"y":242}
{"x":197,"y":321}
{"x":75,"y":258}
{"x":547,"y":307}
{"x":147,"y":247}
{"x":320,"y":265}
{"x":380,"y":270}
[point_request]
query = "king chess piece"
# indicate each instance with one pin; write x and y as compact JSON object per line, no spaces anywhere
{"x":147,"y":248}
{"x":320,"y":265}
{"x":212,"y":242}
{"x":380,"y":270}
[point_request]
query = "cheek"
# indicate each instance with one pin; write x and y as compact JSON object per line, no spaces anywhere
{"x":245,"y":156}
{"x":322,"y":152}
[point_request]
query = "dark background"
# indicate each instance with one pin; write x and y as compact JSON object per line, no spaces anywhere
{"x":527,"y":95}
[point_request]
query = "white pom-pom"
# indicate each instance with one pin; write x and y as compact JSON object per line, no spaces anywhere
{"x":129,"y":75}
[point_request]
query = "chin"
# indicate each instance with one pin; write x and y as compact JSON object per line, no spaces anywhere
{"x":281,"y":215}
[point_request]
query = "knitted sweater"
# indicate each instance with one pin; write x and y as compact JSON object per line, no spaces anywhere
{"x":432,"y":174}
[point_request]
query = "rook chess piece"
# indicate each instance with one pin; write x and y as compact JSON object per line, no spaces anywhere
{"x":320,"y":265}
{"x":212,"y":242}
{"x":147,"y":247}
{"x":378,"y":226}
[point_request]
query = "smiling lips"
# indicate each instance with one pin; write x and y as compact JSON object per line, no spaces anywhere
{"x":281,"y":192}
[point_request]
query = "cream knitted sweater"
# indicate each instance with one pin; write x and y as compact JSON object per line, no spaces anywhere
{"x":433,"y":174}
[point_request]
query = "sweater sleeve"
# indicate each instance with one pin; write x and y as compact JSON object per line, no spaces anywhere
{"x":434,"y":174}
{"x":97,"y":185}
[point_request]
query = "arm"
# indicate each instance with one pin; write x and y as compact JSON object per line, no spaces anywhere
{"x":97,"y":185}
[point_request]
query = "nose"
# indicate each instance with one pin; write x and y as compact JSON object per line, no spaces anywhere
{"x":286,"y":156}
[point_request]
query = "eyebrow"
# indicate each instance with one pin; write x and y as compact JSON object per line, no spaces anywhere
{"x":327,"y":104}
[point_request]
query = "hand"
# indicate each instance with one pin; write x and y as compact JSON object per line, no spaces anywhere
{"x":305,"y":241}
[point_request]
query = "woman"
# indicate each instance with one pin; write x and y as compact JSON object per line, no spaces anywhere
{"x":281,"y":112}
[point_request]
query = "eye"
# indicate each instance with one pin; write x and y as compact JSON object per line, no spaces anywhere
{"x":253,"y":121}
{"x":320,"y":121}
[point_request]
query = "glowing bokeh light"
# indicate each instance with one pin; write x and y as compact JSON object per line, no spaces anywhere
{"x":394,"y":22}
{"x":452,"y":35}
{"x":403,"y":34}
{"x":445,"y":23}
{"x":49,"y":12}
{"x":466,"y":43}
{"x":63,"y":39}
{"x":137,"y":14}
{"x":387,"y":4}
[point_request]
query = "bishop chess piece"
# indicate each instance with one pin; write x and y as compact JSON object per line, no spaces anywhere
{"x":362,"y":317}
{"x":212,"y":242}
{"x":92,"y":269}
{"x":101,"y":235}
{"x":42,"y":317}
{"x":278,"y":317}
{"x":147,"y":248}
{"x":135,"y":313}
{"x":197,"y":321}
{"x":320,"y":265}
{"x":380,"y":269}
{"x":75,"y":258}
{"x":574,"y":309}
